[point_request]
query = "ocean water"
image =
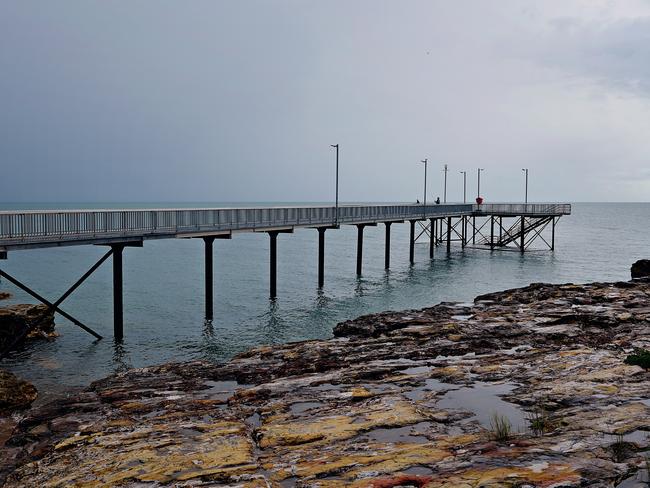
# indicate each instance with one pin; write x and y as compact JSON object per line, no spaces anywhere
{"x":163,"y":288}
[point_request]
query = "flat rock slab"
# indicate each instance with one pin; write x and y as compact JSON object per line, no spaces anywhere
{"x":395,"y":399}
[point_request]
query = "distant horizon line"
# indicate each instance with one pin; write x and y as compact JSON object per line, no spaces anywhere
{"x":319,"y":202}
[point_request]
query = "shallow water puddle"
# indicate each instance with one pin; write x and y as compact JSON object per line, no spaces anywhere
{"x":482,"y":399}
{"x":638,"y":480}
{"x":302,"y":407}
{"x":431,"y":384}
{"x":417,"y":370}
{"x":639,"y":437}
{"x":222,"y":390}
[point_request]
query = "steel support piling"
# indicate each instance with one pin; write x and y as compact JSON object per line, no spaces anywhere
{"x":432,"y":238}
{"x":492,"y":232}
{"x":118,"y":293}
{"x":553,"y":235}
{"x":321,"y":256}
{"x":462,"y":232}
{"x":448,"y":234}
{"x":273,"y":262}
{"x":473,"y":230}
{"x":523,"y":234}
{"x":359,"y":247}
{"x":500,"y":231}
{"x":387,"y":246}
{"x":412,"y":241}
{"x":209,"y":275}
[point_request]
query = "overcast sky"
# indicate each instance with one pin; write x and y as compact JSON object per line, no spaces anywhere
{"x":156,"y":100}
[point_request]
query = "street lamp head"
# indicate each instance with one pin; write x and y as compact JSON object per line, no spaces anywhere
{"x":424,"y":160}
{"x":334,"y":145}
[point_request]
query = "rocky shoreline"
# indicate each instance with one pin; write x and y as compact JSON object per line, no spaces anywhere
{"x":523,"y":388}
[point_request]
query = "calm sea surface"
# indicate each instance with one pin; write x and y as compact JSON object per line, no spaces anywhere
{"x":163,"y":288}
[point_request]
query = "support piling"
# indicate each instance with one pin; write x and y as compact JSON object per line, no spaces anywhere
{"x":412,"y":241}
{"x":359,"y":247}
{"x":321,"y":256}
{"x":209,"y":275}
{"x":118,"y":293}
{"x":448,"y":234}
{"x":387,"y":246}
{"x":273,"y":262}
{"x":432,"y":238}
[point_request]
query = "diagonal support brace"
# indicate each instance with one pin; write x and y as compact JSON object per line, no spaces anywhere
{"x":55,"y":306}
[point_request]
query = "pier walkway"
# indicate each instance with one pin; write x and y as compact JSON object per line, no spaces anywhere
{"x":444,"y":223}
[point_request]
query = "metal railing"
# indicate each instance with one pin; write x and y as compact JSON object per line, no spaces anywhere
{"x":70,"y":225}
{"x":523,"y":208}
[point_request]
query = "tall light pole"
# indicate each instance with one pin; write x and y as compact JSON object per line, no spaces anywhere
{"x":444,"y":195}
{"x":525,"y":170}
{"x":425,"y":185}
{"x":337,"y":184}
{"x":464,"y":173}
{"x":478,"y":187}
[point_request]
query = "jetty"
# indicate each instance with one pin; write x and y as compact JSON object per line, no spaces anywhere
{"x":490,"y":226}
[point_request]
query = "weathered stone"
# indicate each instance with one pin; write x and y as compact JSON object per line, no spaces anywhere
{"x":640,"y":268}
{"x":15,"y":320}
{"x":15,"y":393}
{"x":398,"y":399}
{"x":5,"y":295}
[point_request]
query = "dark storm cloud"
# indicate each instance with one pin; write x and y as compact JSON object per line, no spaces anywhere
{"x":223,"y":101}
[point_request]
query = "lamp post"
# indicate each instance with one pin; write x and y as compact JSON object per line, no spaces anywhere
{"x":525,"y":170}
{"x":337,"y":184}
{"x":444,"y":195}
{"x":425,"y":186}
{"x":478,"y":188}
{"x":464,"y":173}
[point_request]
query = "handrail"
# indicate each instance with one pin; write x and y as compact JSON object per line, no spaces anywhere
{"x":67,"y":225}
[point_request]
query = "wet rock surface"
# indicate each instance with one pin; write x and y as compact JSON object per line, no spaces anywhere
{"x":25,"y":322}
{"x":395,"y":399}
{"x":14,"y":392}
{"x":5,"y":295}
{"x":640,"y":268}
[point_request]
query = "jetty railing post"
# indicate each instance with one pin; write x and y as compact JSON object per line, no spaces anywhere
{"x":523,"y":223}
{"x":387,"y":246}
{"x":273,"y":250}
{"x":432,"y":238}
{"x":359,"y":247}
{"x":209,"y":272}
{"x":448,"y":234}
{"x":412,"y":241}
{"x":321,"y":256}
{"x":118,"y":293}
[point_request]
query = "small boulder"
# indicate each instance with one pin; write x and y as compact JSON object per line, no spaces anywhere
{"x":16,"y":319}
{"x":641,"y":268}
{"x":4,"y":295}
{"x":14,"y":392}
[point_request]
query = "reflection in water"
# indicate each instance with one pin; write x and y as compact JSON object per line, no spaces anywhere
{"x":121,"y":360}
{"x":208,"y":329}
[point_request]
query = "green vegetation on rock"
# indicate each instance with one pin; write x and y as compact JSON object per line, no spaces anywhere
{"x":641,"y":357}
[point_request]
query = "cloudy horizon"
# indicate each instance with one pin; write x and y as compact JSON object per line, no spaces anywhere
{"x":240,"y":101}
